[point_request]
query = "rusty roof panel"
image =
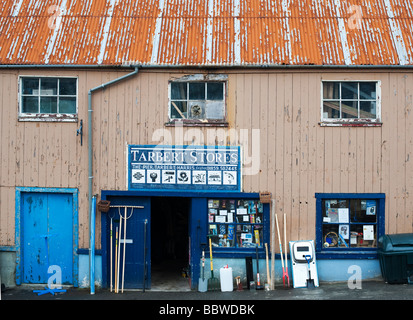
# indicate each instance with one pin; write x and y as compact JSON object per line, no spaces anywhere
{"x":207,"y":32}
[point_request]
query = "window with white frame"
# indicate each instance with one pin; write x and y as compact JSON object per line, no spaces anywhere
{"x":350,"y":101}
{"x":48,"y":98}
{"x":197,"y":100}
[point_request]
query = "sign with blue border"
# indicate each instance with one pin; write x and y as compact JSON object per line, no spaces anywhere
{"x":195,"y":168}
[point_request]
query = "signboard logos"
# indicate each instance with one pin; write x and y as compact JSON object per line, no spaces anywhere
{"x":199,"y":168}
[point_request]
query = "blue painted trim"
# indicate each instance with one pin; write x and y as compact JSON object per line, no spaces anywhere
{"x":86,"y":251}
{"x":75,"y":204}
{"x":184,"y":194}
{"x":8,"y":249}
{"x":348,"y":253}
{"x":198,"y":225}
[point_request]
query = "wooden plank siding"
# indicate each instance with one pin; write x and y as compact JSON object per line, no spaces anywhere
{"x":297,"y":156}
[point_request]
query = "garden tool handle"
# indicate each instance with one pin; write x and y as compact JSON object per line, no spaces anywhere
{"x":210,"y":252}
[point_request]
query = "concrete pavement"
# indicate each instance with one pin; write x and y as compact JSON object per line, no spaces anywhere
{"x":370,"y":290}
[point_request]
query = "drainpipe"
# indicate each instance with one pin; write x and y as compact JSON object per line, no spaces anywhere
{"x":90,"y":164}
{"x":92,"y":246}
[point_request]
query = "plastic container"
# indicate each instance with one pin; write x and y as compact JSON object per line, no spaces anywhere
{"x":227,"y":283}
{"x":396,"y":258}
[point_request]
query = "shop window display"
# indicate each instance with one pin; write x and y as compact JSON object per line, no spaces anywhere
{"x":235,"y":223}
{"x":349,"y":222}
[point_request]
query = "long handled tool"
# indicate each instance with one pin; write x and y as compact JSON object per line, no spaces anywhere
{"x":144,"y":253}
{"x":285,"y":273}
{"x":258,"y":286}
{"x":268,"y":284}
{"x":213,"y":282}
{"x":202,"y":282}
{"x":124,"y":250}
{"x":118,"y":262}
{"x":272,"y":245}
{"x":281,"y":248}
{"x":111,"y":254}
{"x":116,"y":256}
{"x":124,"y":244}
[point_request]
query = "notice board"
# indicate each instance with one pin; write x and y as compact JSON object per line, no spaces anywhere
{"x":195,"y":168}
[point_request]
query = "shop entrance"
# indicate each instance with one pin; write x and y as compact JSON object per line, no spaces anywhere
{"x":170,"y":243}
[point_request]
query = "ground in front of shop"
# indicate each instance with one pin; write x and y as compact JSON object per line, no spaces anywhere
{"x":370,"y":290}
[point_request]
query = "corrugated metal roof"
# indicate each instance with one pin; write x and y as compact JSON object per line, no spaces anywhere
{"x":207,"y":32}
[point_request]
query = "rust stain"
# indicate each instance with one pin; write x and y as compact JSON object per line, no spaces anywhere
{"x":206,"y":32}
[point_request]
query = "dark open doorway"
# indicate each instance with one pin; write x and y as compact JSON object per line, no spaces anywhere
{"x":169,"y":243}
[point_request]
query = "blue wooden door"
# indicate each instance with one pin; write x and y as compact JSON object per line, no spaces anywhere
{"x":47,"y":237}
{"x":138,"y":247}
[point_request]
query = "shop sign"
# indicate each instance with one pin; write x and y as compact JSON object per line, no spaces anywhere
{"x":195,"y":168}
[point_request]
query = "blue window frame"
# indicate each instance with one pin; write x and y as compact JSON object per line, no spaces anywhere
{"x":349,"y":224}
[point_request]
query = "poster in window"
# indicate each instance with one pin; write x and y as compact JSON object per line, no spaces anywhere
{"x":370,"y":207}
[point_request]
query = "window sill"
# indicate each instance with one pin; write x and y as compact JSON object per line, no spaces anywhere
{"x":48,"y":117}
{"x":197,"y":123}
{"x":351,"y":123}
{"x":348,"y":254}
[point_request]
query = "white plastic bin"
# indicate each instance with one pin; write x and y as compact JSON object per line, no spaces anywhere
{"x":227,"y":283}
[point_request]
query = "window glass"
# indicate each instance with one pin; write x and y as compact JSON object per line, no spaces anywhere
{"x":367,"y":90}
{"x":48,"y":86}
{"x":48,"y":96}
{"x":196,"y":91}
{"x":67,"y":87}
{"x":179,"y":90}
{"x":48,"y":104}
{"x":67,"y":105}
{"x":30,"y":104}
{"x":178,"y":109}
{"x":349,"y":100}
{"x":235,"y":223}
{"x":331,"y":90}
{"x":215,"y":91}
{"x":349,"y":90}
{"x":367,"y":109}
{"x":196,"y":100}
{"x":30,"y":86}
{"x":349,"y":109}
{"x":331,"y":109}
{"x":349,"y":223}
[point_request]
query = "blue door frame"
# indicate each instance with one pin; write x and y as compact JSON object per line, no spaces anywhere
{"x":197,"y":225}
{"x":20,"y":191}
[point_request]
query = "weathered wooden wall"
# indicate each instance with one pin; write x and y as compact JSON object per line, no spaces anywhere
{"x":297,"y":156}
